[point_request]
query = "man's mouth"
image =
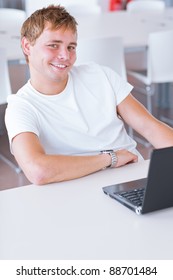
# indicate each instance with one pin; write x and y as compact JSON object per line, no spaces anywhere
{"x":61,"y":66}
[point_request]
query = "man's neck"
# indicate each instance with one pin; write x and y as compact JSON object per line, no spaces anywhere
{"x":49,"y":87}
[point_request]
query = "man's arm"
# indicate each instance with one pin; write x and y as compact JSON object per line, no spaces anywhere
{"x":135,"y":114}
{"x":41,"y":168}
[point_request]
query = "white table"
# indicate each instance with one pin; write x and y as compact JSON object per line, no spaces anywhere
{"x":133,"y":28}
{"x":76,"y":220}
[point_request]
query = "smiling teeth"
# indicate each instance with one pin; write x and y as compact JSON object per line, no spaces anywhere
{"x":60,"y":65}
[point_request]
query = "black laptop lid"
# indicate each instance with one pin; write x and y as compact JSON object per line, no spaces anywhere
{"x":159,"y":190}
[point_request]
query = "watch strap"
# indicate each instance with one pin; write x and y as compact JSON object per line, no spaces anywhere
{"x":113,"y":156}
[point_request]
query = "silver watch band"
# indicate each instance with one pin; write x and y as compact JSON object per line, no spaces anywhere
{"x":113,"y":156}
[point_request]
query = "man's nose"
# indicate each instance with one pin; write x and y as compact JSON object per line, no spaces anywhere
{"x":63,"y":54}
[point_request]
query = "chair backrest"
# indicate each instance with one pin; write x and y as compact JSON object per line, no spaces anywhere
{"x":33,"y":5}
{"x":160,"y":57}
{"x":11,"y":21}
{"x":104,"y":51}
{"x":83,"y":9}
{"x":145,"y":6}
{"x":5,"y":86}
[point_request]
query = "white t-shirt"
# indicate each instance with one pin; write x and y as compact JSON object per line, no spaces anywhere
{"x":80,"y":120}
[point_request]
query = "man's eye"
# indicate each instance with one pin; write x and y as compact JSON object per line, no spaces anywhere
{"x":71,"y":48}
{"x":54,"y":46}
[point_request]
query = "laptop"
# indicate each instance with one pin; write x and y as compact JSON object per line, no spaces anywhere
{"x":152,"y":193}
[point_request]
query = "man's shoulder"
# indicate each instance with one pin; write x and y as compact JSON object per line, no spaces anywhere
{"x":24,"y":88}
{"x":21,"y":95}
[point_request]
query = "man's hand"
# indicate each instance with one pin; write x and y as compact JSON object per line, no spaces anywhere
{"x":124,"y":157}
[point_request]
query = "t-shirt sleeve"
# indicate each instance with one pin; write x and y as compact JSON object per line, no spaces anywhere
{"x":119,"y":85}
{"x":20,"y":117}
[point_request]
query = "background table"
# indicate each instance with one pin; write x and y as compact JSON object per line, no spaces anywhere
{"x":133,"y":28}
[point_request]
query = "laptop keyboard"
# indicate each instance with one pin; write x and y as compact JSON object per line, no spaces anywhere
{"x":134,"y":196}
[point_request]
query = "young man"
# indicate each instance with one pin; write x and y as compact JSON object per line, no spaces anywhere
{"x":61,"y":122}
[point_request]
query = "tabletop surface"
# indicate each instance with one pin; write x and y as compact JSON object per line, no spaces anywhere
{"x":76,"y":220}
{"x":133,"y":28}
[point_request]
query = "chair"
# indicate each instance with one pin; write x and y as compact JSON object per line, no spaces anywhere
{"x":11,"y":21}
{"x":145,"y":6}
{"x":136,"y":59}
{"x":159,"y":64}
{"x":32,"y":5}
{"x":5,"y":92}
{"x":4,"y":77}
{"x":83,"y":9}
{"x":106,"y":51}
{"x":75,"y":7}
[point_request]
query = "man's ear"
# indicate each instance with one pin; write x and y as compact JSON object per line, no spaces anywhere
{"x":25,"y":46}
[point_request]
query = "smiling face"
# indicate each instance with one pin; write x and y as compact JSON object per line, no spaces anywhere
{"x":50,"y":58}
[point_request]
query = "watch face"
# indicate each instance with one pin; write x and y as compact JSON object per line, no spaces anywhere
{"x":106,"y":151}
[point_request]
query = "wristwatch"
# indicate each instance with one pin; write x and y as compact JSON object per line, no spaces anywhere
{"x":113,"y":155}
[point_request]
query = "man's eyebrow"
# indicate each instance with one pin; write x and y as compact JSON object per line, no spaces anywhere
{"x":60,"y":42}
{"x":73,"y":43}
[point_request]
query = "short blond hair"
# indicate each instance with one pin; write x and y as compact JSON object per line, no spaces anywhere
{"x":57,"y":16}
